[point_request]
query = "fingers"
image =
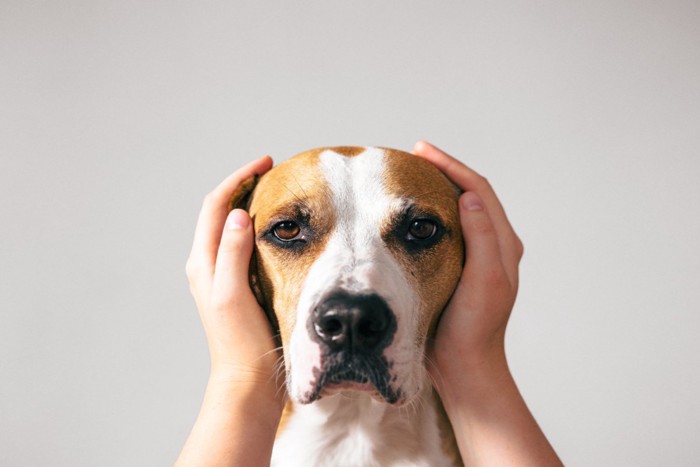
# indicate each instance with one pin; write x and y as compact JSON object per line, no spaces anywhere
{"x":483,"y":250}
{"x":230,"y":286}
{"x":213,"y":216}
{"x":470,"y":181}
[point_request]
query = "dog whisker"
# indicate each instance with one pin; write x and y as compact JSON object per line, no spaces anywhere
{"x":435,"y":376}
{"x":352,"y":321}
{"x":279,"y":373}
{"x":299,"y":185}
{"x":276,"y":349}
{"x":294,"y":194}
{"x":425,"y":193}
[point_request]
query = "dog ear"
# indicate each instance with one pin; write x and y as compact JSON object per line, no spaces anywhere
{"x":241,"y":197}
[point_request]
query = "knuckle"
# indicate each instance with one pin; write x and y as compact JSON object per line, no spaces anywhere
{"x":208,"y":199}
{"x":191,"y":269}
{"x":214,"y":197}
{"x":483,"y":181}
{"x":452,"y":165}
{"x":496,"y":278}
{"x":225,"y":299}
{"x":219,"y":303}
{"x":519,"y":247}
{"x":195,"y":270}
{"x":219,"y":297}
{"x":194,"y":291}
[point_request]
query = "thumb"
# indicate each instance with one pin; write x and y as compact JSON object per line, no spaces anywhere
{"x":233,"y":259}
{"x":481,"y":242}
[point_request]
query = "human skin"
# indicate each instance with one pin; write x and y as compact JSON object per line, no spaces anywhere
{"x":491,"y":421}
{"x":242,"y":404}
{"x":244,"y":399}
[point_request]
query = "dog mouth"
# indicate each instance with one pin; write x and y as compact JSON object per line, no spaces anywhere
{"x":342,"y":373}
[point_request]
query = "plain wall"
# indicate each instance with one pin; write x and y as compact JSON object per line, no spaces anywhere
{"x":117,"y":117}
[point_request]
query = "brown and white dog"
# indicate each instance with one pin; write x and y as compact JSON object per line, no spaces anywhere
{"x":358,"y":251}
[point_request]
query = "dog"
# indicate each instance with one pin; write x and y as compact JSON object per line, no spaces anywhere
{"x":357,"y":252}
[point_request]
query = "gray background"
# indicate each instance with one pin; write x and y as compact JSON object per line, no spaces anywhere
{"x":117,"y":117}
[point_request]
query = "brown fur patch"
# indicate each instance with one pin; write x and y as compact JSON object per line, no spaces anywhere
{"x":292,"y":189}
{"x":347,"y":151}
{"x":434,"y":273}
{"x":239,"y":198}
{"x":299,"y":185}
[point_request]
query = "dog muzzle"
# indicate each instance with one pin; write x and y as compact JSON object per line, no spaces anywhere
{"x":352,"y":331}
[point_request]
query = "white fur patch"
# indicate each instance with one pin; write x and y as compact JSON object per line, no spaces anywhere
{"x":353,"y":429}
{"x":357,"y":260}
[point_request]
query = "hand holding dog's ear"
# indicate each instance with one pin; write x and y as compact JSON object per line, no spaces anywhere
{"x":239,"y":335}
{"x":242,"y":383}
{"x":474,"y":322}
{"x":491,"y":421}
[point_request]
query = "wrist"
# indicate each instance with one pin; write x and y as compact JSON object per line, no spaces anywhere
{"x":258,"y":372}
{"x":490,"y":417}
{"x":236,"y":424}
{"x":471,"y":379}
{"x":259,"y":392}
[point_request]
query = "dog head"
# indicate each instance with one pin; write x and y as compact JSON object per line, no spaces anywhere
{"x":358,"y":251}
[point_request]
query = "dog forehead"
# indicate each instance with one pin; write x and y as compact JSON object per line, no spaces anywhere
{"x":396,"y":173}
{"x":414,"y":178}
{"x":301,"y":180}
{"x":316,"y":176}
{"x":298,"y":180}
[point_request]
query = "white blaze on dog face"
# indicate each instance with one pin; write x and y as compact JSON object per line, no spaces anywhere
{"x":356,"y":210}
{"x":355,"y":258}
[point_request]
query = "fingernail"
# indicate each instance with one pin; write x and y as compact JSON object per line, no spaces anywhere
{"x":237,"y":220}
{"x":420,"y":146}
{"x":471,"y":202}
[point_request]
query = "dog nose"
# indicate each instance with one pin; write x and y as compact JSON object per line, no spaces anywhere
{"x":354,"y":322}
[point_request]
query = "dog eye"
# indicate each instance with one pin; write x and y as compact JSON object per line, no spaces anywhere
{"x":286,"y":231}
{"x":421,"y":229}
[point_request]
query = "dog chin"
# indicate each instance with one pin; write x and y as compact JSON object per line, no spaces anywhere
{"x":350,"y":388}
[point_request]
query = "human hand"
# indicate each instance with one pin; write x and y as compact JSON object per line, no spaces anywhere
{"x":471,"y":331}
{"x":241,"y":345}
{"x":243,"y":404}
{"x":490,"y":419}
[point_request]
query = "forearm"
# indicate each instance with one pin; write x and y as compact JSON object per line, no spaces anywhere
{"x":492,"y":423}
{"x":235,"y":426}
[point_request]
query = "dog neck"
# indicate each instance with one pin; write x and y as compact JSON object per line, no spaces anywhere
{"x":352,"y":428}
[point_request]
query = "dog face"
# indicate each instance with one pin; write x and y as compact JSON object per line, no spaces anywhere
{"x":357,"y":252}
